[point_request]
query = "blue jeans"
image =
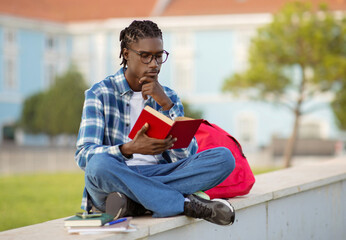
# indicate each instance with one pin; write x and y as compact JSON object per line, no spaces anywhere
{"x":159,"y":188}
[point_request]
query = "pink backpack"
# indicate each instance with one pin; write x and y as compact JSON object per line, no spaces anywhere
{"x":241,"y":180}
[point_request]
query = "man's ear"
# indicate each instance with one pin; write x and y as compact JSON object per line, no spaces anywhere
{"x":126,"y":54}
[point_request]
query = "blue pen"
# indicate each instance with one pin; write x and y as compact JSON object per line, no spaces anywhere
{"x":116,"y":221}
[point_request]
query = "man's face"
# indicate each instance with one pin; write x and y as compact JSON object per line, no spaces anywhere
{"x":136,"y":69}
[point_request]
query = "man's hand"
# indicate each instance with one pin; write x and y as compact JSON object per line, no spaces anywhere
{"x":146,"y":145}
{"x":152,"y":87}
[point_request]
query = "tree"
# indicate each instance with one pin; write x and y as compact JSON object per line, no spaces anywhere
{"x":57,"y":110}
{"x":299,"y":38}
{"x":339,"y":108}
{"x":189,"y":112}
{"x":28,"y":120}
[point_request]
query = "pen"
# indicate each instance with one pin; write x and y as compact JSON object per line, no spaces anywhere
{"x":116,"y":221}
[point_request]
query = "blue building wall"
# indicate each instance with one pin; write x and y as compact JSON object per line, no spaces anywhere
{"x":213,"y":60}
{"x":111,"y":63}
{"x":29,"y":64}
{"x":30,"y":59}
{"x":165,"y":76}
{"x":1,"y":60}
{"x":69,"y":47}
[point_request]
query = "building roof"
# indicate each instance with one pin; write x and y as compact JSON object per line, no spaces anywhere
{"x":204,"y":7}
{"x":83,"y":10}
{"x":76,"y":10}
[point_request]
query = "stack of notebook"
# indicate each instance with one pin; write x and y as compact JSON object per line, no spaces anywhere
{"x":99,"y":224}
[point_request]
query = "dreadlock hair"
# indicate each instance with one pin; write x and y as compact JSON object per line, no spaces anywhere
{"x":136,"y":31}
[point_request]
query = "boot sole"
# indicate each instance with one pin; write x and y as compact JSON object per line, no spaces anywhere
{"x":116,"y":204}
{"x":226,"y":208}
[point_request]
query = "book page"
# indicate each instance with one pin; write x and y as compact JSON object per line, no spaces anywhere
{"x":182,"y":118}
{"x":159,"y":115}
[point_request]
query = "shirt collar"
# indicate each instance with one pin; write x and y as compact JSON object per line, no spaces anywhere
{"x":121,"y":83}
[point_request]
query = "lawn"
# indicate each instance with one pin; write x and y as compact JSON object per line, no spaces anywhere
{"x":30,"y":199}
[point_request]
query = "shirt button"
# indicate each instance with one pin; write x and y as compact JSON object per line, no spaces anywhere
{"x":127,"y":125}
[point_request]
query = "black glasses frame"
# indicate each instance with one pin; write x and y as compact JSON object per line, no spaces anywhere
{"x":157,"y":56}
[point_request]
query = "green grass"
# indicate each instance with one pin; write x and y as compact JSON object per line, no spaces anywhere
{"x":30,"y":199}
{"x":258,"y":171}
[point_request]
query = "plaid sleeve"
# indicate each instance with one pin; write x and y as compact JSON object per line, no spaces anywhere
{"x":91,"y":132}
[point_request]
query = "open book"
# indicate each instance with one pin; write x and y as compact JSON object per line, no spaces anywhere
{"x":161,"y":126}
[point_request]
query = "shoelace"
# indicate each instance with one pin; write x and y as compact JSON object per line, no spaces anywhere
{"x":198,"y":210}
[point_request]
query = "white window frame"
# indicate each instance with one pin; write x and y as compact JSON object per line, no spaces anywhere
{"x":10,"y":61}
{"x":81,"y":55}
{"x":247,"y":124}
{"x":320,"y":132}
{"x":183,"y":62}
{"x":51,"y":59}
{"x":10,"y":72}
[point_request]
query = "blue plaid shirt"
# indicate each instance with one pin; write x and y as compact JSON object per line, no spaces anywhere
{"x":105,"y":123}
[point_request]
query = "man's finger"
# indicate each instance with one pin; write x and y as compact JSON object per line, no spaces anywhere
{"x":146,"y":79}
{"x":145,"y":96}
{"x":144,"y":129}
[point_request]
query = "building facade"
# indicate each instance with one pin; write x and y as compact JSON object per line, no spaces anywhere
{"x":204,"y":51}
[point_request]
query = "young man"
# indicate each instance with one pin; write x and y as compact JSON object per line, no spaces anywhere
{"x":128,"y":177}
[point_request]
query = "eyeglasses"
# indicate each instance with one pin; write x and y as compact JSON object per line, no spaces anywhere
{"x":147,"y":57}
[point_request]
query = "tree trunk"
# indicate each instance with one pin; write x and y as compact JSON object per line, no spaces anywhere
{"x":290,"y":145}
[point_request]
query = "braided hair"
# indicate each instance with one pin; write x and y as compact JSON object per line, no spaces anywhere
{"x":137,"y":30}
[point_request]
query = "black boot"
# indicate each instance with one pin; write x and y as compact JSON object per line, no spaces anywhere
{"x":218,"y":211}
{"x":118,"y":205}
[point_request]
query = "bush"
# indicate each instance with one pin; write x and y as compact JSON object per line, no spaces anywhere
{"x":57,"y":110}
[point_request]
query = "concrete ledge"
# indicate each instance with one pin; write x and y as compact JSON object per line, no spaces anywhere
{"x":272,"y":194}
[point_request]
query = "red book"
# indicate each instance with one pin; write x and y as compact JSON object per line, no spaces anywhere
{"x":161,"y":126}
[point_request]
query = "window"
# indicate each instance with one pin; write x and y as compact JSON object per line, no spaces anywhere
{"x":182,"y":58}
{"x":243,"y":41}
{"x":10,"y":37}
{"x":183,"y":75}
{"x":50,"y":72}
{"x":10,"y":69}
{"x":51,"y":43}
{"x":81,"y":55}
{"x":313,"y":128}
{"x":52,"y":59}
{"x":10,"y":59}
{"x":246,"y":126}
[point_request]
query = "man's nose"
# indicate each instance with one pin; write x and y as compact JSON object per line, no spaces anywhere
{"x":154,"y":62}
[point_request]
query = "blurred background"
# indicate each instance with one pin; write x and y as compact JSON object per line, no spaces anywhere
{"x":271,"y":73}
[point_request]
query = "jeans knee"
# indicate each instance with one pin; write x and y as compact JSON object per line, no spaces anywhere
{"x":227,"y":160}
{"x":96,"y":166}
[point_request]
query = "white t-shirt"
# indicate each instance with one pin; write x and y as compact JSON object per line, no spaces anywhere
{"x":136,"y":107}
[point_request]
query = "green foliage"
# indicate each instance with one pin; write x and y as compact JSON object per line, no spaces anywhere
{"x":298,"y":37}
{"x":339,"y":108}
{"x":35,"y":198}
{"x":57,"y":110}
{"x":189,"y":112}
{"x":30,"y":112}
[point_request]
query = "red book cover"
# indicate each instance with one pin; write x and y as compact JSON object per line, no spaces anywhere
{"x":161,"y":126}
{"x":184,"y":130}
